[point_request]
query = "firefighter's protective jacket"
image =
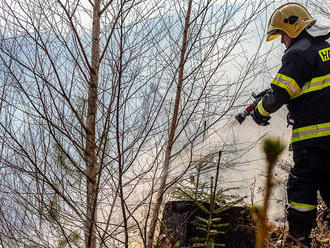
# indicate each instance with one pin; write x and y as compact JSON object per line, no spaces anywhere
{"x":303,"y":83}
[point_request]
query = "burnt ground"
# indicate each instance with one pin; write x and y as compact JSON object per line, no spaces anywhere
{"x":320,"y":235}
{"x":239,"y":234}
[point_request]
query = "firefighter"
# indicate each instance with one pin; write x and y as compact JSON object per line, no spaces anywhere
{"x":303,"y":84}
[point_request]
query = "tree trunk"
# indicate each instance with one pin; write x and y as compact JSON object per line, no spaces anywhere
{"x":90,"y":155}
{"x":166,"y":165}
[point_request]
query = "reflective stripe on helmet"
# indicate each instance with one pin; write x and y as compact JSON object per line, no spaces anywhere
{"x":262,"y":110}
{"x":287,"y":83}
{"x":302,"y":207}
{"x":309,"y":132}
{"x":318,"y":83}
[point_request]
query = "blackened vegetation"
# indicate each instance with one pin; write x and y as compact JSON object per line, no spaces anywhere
{"x":178,"y":231}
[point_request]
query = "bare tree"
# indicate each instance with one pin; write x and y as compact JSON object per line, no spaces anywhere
{"x":321,"y":7}
{"x":52,"y":63}
{"x":100,"y":101}
{"x":174,"y":119}
{"x":197,"y":52}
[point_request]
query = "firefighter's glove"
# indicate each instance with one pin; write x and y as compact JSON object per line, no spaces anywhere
{"x":259,"y":119}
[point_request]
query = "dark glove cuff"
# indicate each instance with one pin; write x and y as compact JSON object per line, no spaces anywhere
{"x":259,"y":119}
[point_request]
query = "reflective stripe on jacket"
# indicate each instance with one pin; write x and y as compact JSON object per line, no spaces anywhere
{"x":318,"y":83}
{"x":287,"y":83}
{"x":309,"y":132}
{"x":303,"y":84}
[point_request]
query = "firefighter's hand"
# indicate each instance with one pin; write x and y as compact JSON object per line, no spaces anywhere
{"x":259,"y":119}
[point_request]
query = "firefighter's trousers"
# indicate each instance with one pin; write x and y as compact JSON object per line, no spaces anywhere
{"x":310,"y":174}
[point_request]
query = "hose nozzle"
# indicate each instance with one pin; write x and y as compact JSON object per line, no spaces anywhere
{"x":241,"y":116}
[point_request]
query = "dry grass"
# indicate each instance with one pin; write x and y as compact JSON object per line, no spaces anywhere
{"x":320,"y":234}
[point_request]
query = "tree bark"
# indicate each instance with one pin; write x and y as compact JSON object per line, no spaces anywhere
{"x":90,"y":152}
{"x":168,"y":152}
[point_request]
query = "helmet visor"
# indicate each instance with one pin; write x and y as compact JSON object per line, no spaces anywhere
{"x":273,"y":34}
